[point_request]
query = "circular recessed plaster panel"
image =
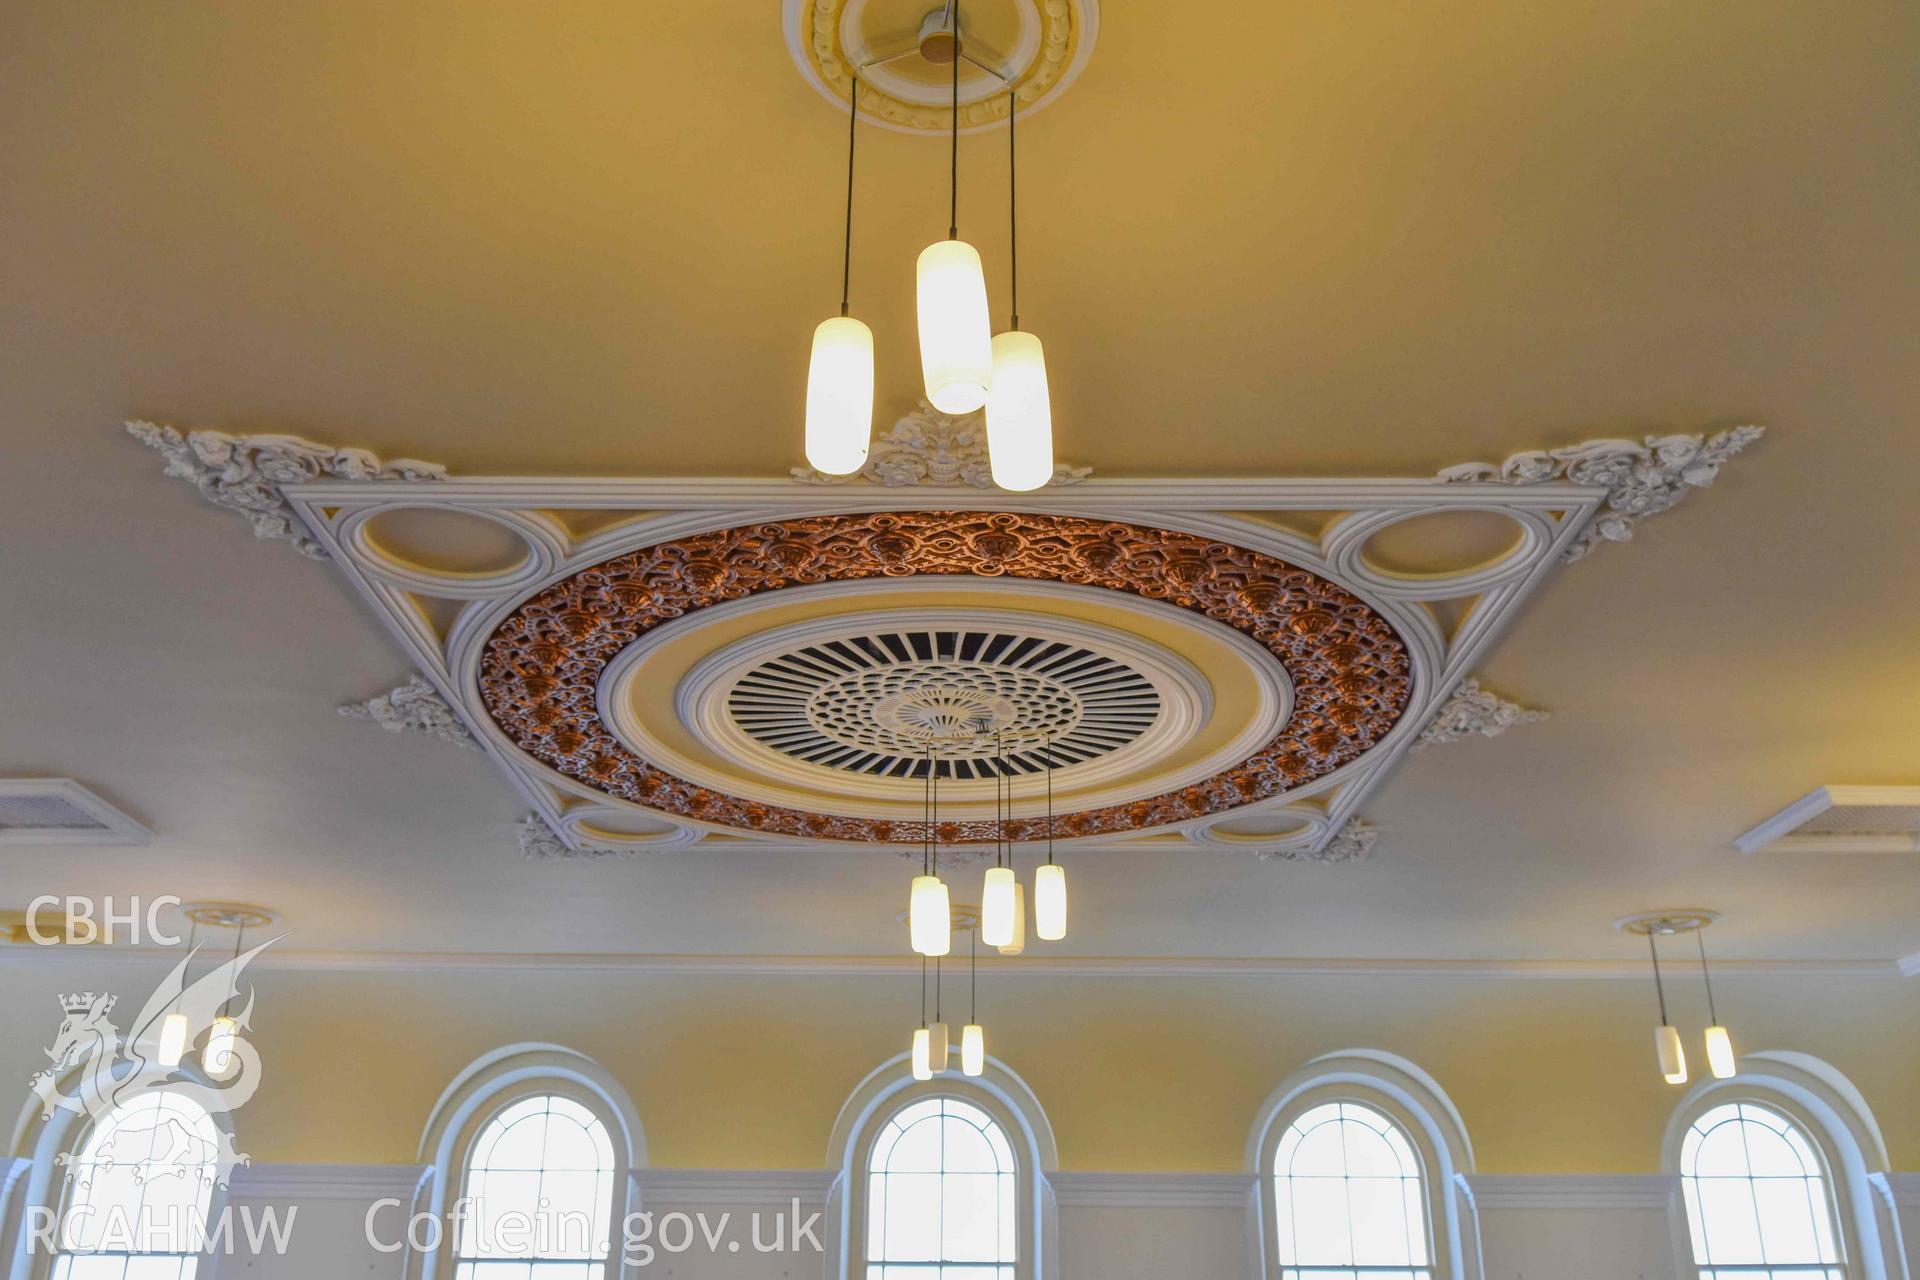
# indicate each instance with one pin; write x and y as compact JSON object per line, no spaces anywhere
{"x":1035,"y":47}
{"x":965,"y":703}
{"x":540,"y":670}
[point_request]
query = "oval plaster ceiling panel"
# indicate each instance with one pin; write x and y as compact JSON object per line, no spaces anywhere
{"x":541,"y":671}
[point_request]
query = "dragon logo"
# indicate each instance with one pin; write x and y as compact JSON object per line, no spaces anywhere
{"x":94,"y":1072}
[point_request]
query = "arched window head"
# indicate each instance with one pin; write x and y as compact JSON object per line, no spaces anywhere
{"x":140,"y":1187}
{"x":1760,"y":1202}
{"x":942,"y":1195}
{"x":1350,"y":1198}
{"x":539,"y":1188}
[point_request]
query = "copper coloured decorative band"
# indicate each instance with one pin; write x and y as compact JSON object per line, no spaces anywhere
{"x":542,"y":665}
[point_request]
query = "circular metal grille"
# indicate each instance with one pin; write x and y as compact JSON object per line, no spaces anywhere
{"x":880,"y":703}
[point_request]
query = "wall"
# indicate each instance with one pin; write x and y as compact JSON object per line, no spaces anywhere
{"x":1157,"y":1077}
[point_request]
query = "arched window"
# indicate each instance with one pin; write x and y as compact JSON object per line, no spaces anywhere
{"x":941,"y":1195}
{"x":138,"y":1193}
{"x":1759,"y":1199}
{"x":1349,"y":1198}
{"x":539,"y":1189}
{"x":942,"y":1179}
{"x":1362,"y":1162}
{"x":533,"y":1151}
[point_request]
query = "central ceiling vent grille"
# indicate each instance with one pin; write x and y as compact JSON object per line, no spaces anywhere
{"x":881,"y":703}
{"x":61,"y":811}
{"x":1841,"y":820}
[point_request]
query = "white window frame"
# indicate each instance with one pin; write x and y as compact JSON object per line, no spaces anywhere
{"x":37,"y":1182}
{"x":478,"y":1095}
{"x":1426,"y":1118}
{"x":1005,"y":1098}
{"x":1835,"y":1119}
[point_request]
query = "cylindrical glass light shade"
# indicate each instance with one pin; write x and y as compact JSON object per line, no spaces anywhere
{"x":1720,"y":1059}
{"x":929,"y":920}
{"x":937,"y":1048}
{"x":173,"y":1039}
{"x":922,"y":1054}
{"x":1019,"y":413}
{"x":956,"y":333}
{"x":218,"y":1058}
{"x":840,"y":396}
{"x":1673,"y":1058}
{"x":1019,"y":941}
{"x":996,"y":906}
{"x":1050,"y":902}
{"x":973,"y":1049}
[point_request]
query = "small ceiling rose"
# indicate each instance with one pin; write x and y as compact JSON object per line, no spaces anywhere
{"x":902,"y":52}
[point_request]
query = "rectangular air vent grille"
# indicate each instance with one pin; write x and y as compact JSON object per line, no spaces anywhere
{"x":1841,"y":819}
{"x":61,"y":811}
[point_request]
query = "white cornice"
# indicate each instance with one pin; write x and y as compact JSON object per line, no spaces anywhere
{"x":329,"y":1181}
{"x":1151,"y":1190}
{"x":1903,"y":1187}
{"x":734,"y":1186}
{"x":1570,"y":1190}
{"x":1169,"y":967}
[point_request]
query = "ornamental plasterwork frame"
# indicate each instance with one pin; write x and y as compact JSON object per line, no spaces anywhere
{"x":1473,"y":711}
{"x":1550,"y":518}
{"x":413,"y":707}
{"x":928,"y":447}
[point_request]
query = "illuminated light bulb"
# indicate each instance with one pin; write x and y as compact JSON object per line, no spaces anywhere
{"x":922,"y":1055}
{"x":1019,"y":414}
{"x":1720,"y":1059}
{"x":956,"y":333}
{"x":1019,"y":941}
{"x":929,"y":918}
{"x":996,"y":906}
{"x":973,"y":1049}
{"x":937,"y":1048}
{"x":840,"y":396}
{"x":1673,"y":1057}
{"x":173,"y":1039}
{"x":218,"y":1058}
{"x":1050,"y":902}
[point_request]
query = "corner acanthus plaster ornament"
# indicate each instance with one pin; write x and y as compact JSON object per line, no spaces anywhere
{"x":1352,"y":843}
{"x":414,"y":707}
{"x":1472,"y":710}
{"x":538,"y":843}
{"x":247,"y":473}
{"x":1643,"y":479}
{"x":928,"y":447}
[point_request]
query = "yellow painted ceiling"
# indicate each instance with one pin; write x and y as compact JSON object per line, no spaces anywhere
{"x":1257,"y":239}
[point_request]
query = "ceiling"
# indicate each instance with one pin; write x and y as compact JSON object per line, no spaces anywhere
{"x":1262,"y":240}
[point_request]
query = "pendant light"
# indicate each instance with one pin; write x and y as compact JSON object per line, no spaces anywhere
{"x":1019,"y":409}
{"x":1720,"y":1056}
{"x":218,"y":1058}
{"x":956,"y":329}
{"x":1019,"y":942}
{"x":973,"y":1037}
{"x":929,"y":912}
{"x":997,"y":894}
{"x":173,"y":1028}
{"x":940,"y":1040}
{"x":922,"y":1035}
{"x":1050,"y":879}
{"x":840,"y":374}
{"x":1666,"y":1038}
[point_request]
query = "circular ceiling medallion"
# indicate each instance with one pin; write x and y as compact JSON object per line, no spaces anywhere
{"x":963,"y":703}
{"x":541,"y":668}
{"x":901,"y":51}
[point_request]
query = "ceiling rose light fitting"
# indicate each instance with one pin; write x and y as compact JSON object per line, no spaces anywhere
{"x":963,"y":366}
{"x":1672,"y":1055}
